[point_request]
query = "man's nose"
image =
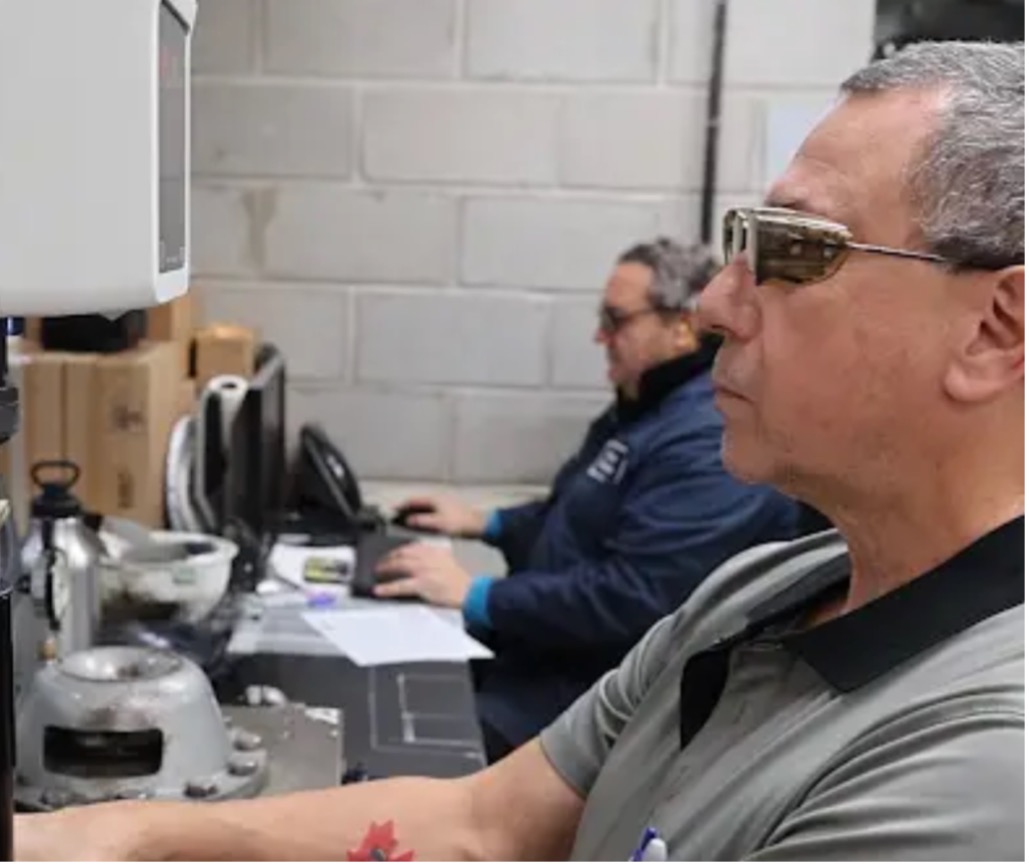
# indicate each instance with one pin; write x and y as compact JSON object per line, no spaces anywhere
{"x":726,"y":305}
{"x":600,"y":335}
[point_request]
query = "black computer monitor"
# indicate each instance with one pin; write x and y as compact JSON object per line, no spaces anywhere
{"x":256,"y":485}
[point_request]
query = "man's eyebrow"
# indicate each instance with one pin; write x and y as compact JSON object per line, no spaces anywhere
{"x":798,"y":203}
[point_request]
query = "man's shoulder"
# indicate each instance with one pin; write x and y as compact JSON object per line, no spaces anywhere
{"x":685,"y":421}
{"x":979,"y":670}
{"x":721,"y":604}
{"x":694,"y":398}
{"x":986,"y":659}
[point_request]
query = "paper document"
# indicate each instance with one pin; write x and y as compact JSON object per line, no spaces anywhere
{"x":397,"y":633}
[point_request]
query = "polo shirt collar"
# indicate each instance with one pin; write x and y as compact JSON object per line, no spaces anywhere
{"x":852,"y":650}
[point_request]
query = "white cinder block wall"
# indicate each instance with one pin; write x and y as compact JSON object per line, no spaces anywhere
{"x":419,"y":200}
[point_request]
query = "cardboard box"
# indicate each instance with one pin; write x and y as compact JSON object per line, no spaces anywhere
{"x":33,"y":330}
{"x":81,"y":416}
{"x":171,"y":322}
{"x":110,"y":414}
{"x":44,"y":394}
{"x":42,"y":409}
{"x":174,"y":322}
{"x":187,"y":398}
{"x":136,"y":405}
{"x":13,"y":459}
{"x":224,"y":349}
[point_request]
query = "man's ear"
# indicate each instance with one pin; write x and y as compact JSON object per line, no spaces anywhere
{"x":993,"y":360}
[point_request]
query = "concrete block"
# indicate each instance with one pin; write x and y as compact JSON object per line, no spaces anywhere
{"x":452,"y":338}
{"x":627,"y":140}
{"x":784,"y":121}
{"x":308,"y":323}
{"x":225,"y":39}
{"x":549,"y":243}
{"x":679,"y":217}
{"x":515,"y":438}
{"x":739,"y":144}
{"x":330,"y":231}
{"x":460,"y":136}
{"x":723,"y":201}
{"x":221,"y":240}
{"x":266,"y":129}
{"x":815,"y":43}
{"x":387,"y":435}
{"x":362,"y":38}
{"x":691,"y":25}
{"x":657,"y":140}
{"x":570,"y":40}
{"x":576,"y":360}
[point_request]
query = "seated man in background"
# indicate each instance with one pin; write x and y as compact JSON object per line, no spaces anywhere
{"x":635,"y":520}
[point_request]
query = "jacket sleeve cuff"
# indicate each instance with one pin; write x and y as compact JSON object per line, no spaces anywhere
{"x":476,"y":602}
{"x":494,"y":526}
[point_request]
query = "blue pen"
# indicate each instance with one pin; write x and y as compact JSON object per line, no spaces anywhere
{"x":651,"y":847}
{"x":321,"y":600}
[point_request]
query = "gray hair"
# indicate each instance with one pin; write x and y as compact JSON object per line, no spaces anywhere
{"x":680,"y":272}
{"x":967,"y":183}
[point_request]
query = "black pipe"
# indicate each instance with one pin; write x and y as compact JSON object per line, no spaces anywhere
{"x":6,"y":725}
{"x":714,"y":120}
{"x":8,"y":575}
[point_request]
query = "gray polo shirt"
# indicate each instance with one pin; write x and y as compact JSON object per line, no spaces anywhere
{"x":896,"y":731}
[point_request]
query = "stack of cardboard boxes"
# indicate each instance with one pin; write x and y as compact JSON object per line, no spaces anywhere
{"x":113,"y":414}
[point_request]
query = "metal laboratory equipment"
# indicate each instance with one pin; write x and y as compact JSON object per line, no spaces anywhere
{"x":94,"y":210}
{"x":60,"y":558}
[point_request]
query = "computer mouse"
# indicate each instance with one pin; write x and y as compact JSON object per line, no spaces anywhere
{"x":403,"y":514}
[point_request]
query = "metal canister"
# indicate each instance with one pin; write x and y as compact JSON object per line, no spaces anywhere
{"x":61,"y":555}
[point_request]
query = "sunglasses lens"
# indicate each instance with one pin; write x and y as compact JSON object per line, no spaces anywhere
{"x":729,"y":236}
{"x":783,"y":245}
{"x":734,"y":234}
{"x":797,"y":254}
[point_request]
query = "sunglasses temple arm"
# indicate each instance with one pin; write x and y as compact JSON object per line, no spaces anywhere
{"x":898,"y":253}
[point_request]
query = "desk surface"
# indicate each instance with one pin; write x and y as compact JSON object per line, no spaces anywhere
{"x":416,"y":718}
{"x":410,"y":718}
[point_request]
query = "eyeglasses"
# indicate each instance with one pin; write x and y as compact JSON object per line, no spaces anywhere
{"x":790,"y":246}
{"x":610,"y":320}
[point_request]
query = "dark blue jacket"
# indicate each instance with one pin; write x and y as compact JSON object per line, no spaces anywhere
{"x":635,"y":520}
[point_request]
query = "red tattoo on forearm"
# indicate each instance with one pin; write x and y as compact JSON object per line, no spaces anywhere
{"x":379,"y":844}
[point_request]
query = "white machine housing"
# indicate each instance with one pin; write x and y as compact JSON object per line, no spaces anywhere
{"x":94,"y":154}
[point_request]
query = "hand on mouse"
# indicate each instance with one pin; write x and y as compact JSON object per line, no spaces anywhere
{"x":444,"y":514}
{"x":432,"y":573}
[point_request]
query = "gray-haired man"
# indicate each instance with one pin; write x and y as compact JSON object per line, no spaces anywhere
{"x":850,"y":696}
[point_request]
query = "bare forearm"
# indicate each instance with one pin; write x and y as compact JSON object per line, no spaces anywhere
{"x":432,"y":819}
{"x":517,"y":809}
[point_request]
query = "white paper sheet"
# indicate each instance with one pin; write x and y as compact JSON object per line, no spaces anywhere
{"x":395,"y":633}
